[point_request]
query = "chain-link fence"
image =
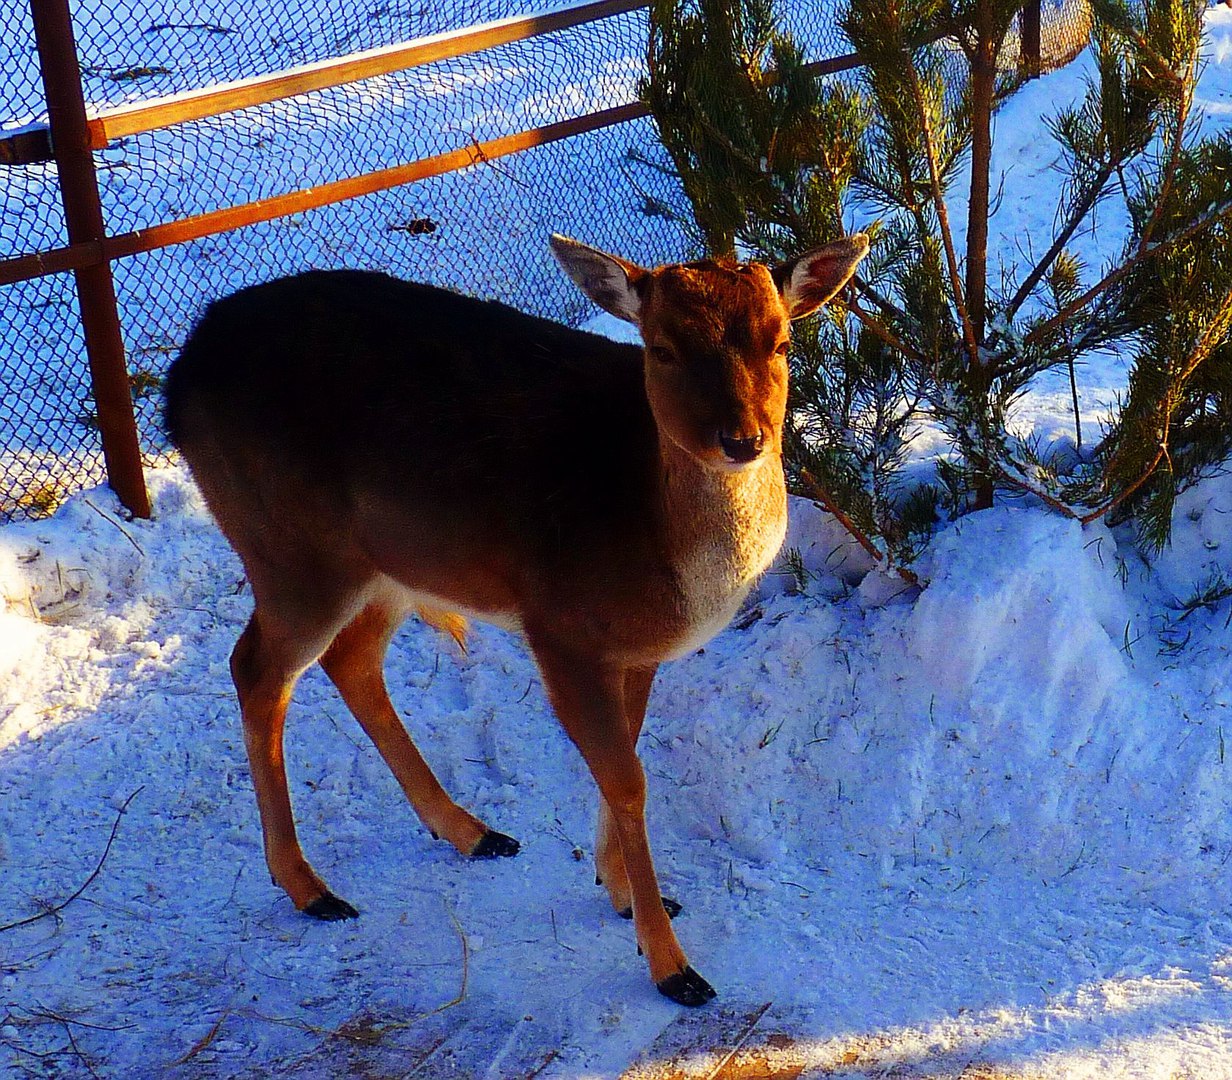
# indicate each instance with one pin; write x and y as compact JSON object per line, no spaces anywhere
{"x":482,"y":229}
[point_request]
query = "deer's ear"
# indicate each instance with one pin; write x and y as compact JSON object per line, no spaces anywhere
{"x":610,"y":282}
{"x":809,"y":280}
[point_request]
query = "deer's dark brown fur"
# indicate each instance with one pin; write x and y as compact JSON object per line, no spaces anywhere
{"x":372,"y":447}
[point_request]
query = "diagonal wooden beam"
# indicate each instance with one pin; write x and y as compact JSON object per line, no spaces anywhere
{"x":94,"y":252}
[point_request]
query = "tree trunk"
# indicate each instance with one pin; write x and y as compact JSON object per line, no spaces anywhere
{"x":983,"y":89}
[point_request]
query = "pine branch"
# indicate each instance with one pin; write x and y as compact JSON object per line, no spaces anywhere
{"x":1112,"y":504}
{"x":879,"y":299}
{"x":829,"y":505}
{"x":1124,"y":269}
{"x":1215,"y":332}
{"x":943,"y":216}
{"x":1174,"y":158}
{"x":882,"y":331}
{"x":1160,"y":68}
{"x":886,"y":306}
{"x":1041,"y":268}
{"x":1020,"y":482}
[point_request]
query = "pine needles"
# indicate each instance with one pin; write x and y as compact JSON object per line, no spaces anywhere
{"x":774,"y":162}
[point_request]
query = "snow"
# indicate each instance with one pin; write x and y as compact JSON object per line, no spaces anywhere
{"x":981,"y":794}
{"x":982,"y":828}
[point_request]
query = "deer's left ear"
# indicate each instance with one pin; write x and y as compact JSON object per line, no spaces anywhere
{"x":610,"y":282}
{"x":809,"y":280}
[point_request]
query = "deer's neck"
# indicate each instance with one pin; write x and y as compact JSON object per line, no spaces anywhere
{"x":724,"y":531}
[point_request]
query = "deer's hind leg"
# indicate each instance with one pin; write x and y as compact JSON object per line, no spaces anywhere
{"x":354,"y":663}
{"x":266,"y":663}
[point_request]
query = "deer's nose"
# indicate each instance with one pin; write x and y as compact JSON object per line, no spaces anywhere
{"x":741,"y":450}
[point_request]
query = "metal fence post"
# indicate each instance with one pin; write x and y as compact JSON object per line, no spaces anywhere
{"x":83,"y":215}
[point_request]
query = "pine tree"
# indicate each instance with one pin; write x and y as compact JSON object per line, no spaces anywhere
{"x":774,"y":160}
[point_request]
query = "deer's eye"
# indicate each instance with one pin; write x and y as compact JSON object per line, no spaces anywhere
{"x":781,"y":348}
{"x":663,"y":354}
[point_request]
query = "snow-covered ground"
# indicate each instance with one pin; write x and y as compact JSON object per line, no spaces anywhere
{"x":992,"y":823}
{"x":982,"y":830}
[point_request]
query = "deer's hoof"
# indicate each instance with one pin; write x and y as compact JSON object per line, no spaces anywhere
{"x":686,"y":988}
{"x":670,"y":906}
{"x":330,"y":908}
{"x":495,"y":845}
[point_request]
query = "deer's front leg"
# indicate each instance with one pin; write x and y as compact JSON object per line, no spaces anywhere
{"x":589,"y":698}
{"x":610,"y":869}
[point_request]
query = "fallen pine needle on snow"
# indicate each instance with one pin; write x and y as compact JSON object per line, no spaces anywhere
{"x":115,"y":827}
{"x":367,"y":1029}
{"x":107,"y":517}
{"x":205,"y":1040}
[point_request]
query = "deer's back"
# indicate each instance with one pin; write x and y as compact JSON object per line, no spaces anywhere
{"x":418,"y":428}
{"x":363,"y":381}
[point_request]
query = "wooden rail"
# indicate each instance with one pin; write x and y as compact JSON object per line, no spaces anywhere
{"x":93,"y":252}
{"x":261,"y":90}
{"x":33,"y":143}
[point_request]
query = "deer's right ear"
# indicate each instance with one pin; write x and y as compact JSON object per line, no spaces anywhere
{"x":610,"y":282}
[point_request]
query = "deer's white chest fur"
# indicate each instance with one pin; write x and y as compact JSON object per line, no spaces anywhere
{"x":734,"y":537}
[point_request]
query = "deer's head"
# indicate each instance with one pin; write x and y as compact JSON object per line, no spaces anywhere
{"x":716,"y":337}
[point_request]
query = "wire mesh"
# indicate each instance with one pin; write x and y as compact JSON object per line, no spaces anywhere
{"x":1065,"y":30}
{"x":482,"y":230}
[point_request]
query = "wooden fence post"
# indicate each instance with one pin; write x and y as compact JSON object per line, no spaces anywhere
{"x":83,"y":216}
{"x":1029,"y":29}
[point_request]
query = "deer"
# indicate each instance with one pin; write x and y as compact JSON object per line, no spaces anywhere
{"x":374,"y":448}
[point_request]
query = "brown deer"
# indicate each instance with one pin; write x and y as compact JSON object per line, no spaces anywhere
{"x":372,"y":447}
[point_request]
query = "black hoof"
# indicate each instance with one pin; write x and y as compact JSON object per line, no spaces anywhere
{"x":670,"y":906}
{"x":686,"y":988}
{"x":495,"y":845}
{"x":330,"y":908}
